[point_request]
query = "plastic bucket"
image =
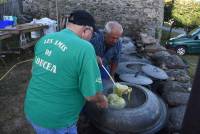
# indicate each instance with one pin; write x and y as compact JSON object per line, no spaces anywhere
{"x":35,"y":34}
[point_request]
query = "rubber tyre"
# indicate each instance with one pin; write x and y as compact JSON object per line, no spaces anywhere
{"x":148,"y":118}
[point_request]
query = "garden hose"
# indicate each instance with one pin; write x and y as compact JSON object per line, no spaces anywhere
{"x":21,"y":62}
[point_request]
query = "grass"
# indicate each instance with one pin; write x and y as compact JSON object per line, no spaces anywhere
{"x":192,"y":61}
{"x":165,"y":36}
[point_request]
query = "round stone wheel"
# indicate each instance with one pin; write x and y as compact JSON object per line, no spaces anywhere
{"x":130,"y":67}
{"x":136,"y":79}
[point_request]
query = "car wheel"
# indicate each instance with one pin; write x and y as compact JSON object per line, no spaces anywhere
{"x":181,"y":50}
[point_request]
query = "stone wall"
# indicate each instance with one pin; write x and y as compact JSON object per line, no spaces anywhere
{"x":135,"y":15}
{"x":10,"y":8}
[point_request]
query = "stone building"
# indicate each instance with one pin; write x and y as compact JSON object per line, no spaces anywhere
{"x":135,"y":15}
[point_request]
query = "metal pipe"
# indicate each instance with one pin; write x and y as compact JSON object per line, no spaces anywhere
{"x":108,"y":74}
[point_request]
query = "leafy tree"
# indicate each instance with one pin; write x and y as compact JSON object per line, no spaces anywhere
{"x":3,"y":1}
{"x":186,"y":13}
{"x":168,"y":9}
{"x":182,"y":13}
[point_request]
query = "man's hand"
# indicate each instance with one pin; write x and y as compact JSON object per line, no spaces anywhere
{"x":99,"y":60}
{"x":103,"y":103}
{"x":99,"y":99}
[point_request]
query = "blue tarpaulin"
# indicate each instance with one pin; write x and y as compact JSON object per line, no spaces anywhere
{"x":5,"y":23}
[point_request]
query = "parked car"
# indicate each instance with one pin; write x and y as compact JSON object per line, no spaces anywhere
{"x":185,"y":43}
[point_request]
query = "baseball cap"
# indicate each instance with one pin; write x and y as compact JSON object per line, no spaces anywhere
{"x":81,"y":17}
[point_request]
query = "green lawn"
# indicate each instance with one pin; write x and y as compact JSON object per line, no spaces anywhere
{"x":165,"y":36}
{"x":192,"y":61}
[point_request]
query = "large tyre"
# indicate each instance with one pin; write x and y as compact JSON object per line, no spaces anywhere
{"x":145,"y":114}
{"x":181,"y":50}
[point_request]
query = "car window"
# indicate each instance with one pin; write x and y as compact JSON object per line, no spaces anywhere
{"x":197,"y":36}
{"x":194,"y":31}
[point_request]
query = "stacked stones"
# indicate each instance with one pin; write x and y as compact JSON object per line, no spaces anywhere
{"x":134,"y":15}
{"x":176,"y":90}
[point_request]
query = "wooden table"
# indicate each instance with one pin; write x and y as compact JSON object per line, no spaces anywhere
{"x":21,"y":36}
{"x":22,"y":30}
{"x":4,"y":35}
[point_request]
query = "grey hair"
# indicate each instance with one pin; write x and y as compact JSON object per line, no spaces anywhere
{"x":113,"y":24}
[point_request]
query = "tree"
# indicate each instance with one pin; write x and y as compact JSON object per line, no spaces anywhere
{"x":168,"y":9}
{"x":186,"y":13}
{"x":3,"y":1}
{"x":168,"y":14}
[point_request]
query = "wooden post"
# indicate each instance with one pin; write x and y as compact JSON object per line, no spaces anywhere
{"x":191,"y":122}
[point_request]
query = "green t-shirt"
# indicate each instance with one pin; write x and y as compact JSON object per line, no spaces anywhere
{"x":64,"y":72}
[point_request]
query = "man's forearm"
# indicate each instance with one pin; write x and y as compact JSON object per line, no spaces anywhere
{"x":99,"y":99}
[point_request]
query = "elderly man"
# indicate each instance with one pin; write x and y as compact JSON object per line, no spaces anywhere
{"x":65,"y":74}
{"x":107,"y":47}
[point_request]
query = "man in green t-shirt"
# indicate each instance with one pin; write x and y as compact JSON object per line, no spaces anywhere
{"x":64,"y":75}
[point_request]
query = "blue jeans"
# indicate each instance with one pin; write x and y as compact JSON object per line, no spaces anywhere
{"x":40,"y":130}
